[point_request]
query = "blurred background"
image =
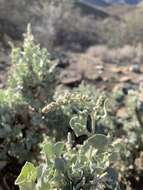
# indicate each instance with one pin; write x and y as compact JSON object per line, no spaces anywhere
{"x":97,"y":32}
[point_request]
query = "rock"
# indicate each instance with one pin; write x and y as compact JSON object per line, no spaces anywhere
{"x":119,"y":69}
{"x":126,"y":79}
{"x":63,"y":62}
{"x":94,"y":76}
{"x":139,"y":162}
{"x":100,"y":67}
{"x":135,"y":68}
{"x":127,"y":87}
{"x":70,"y":77}
{"x":117,"y":87}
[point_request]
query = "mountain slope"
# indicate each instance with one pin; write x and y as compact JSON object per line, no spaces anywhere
{"x":90,"y":8}
{"x":95,"y":2}
{"x":110,"y":2}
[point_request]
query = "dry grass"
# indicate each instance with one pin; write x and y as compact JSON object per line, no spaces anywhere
{"x":126,"y":54}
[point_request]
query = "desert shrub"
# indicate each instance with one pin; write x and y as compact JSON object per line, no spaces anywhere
{"x":71,"y":169}
{"x":111,"y":32}
{"x":85,"y":166}
{"x":31,"y":73}
{"x":67,"y":27}
{"x":18,"y":134}
{"x":106,"y":54}
{"x":75,"y":107}
{"x":128,"y":127}
{"x":133,"y":139}
{"x":134,"y":29}
{"x":117,"y":33}
{"x":121,"y":55}
{"x":31,"y":84}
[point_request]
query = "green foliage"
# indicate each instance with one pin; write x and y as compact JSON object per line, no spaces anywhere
{"x":129,"y":128}
{"x":68,"y":165}
{"x":27,"y":177}
{"x":32,"y":73}
{"x":86,"y":167}
{"x":8,"y":97}
{"x":31,"y":84}
{"x":80,"y":108}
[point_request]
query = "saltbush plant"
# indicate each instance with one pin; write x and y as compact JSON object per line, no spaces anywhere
{"x":87,"y":167}
{"x":125,"y":122}
{"x":85,"y":160}
{"x":118,"y":33}
{"x":128,"y":127}
{"x":32,"y":73}
{"x":132,"y":136}
{"x":68,"y":28}
{"x":70,"y":166}
{"x":31,"y":84}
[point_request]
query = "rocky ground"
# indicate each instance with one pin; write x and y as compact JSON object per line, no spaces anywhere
{"x":107,"y":73}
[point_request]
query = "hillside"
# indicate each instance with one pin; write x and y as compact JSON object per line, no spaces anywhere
{"x":110,"y":2}
{"x":96,"y":11}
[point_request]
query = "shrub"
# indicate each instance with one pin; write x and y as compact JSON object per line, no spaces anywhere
{"x":134,"y":29}
{"x":133,"y":140}
{"x":129,"y":128}
{"x":111,"y":32}
{"x":122,"y":55}
{"x":31,"y":73}
{"x":85,"y":166}
{"x":66,"y":168}
{"x":67,"y":27}
{"x":31,"y":84}
{"x":73,"y":108}
{"x":119,"y":32}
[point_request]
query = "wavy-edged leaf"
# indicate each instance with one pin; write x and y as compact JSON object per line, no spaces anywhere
{"x":59,"y":164}
{"x":28,"y":174}
{"x":114,"y":156}
{"x":98,"y":141}
{"x":58,"y":148}
{"x":78,"y":124}
{"x":48,"y":150}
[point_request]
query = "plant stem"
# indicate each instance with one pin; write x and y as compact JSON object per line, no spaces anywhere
{"x":93,"y":123}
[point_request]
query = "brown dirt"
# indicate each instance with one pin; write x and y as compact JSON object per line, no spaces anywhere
{"x":102,"y":74}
